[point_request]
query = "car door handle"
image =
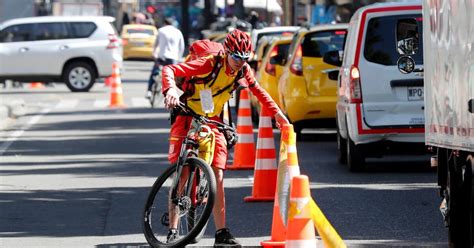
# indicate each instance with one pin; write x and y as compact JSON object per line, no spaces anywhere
{"x":64,"y":47}
{"x":24,"y":49}
{"x":470,"y":106}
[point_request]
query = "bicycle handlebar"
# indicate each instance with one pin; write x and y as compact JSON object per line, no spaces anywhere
{"x":204,"y":120}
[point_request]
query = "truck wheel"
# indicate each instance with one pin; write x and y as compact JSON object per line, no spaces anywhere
{"x":79,"y":76}
{"x":460,"y":202}
{"x":355,"y":156}
{"x":341,"y":148}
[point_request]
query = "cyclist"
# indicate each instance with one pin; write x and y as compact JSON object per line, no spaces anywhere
{"x":169,"y":47}
{"x":208,"y":98}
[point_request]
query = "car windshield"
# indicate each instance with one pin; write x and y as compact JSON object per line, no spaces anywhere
{"x":318,"y":43}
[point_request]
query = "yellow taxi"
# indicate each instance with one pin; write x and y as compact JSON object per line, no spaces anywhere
{"x":271,"y":67}
{"x":307,"y":87}
{"x":138,"y":41}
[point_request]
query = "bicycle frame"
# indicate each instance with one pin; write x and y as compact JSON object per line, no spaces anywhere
{"x":190,"y":145}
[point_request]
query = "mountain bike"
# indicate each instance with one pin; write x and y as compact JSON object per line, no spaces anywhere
{"x":186,"y":189}
{"x":156,"y":88}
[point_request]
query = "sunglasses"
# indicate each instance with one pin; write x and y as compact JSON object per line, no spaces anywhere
{"x":236,"y":56}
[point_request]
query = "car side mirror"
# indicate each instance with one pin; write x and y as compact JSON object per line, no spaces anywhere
{"x":407,"y":36}
{"x":333,"y":58}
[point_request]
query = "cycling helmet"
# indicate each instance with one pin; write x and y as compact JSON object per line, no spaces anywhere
{"x":238,"y":44}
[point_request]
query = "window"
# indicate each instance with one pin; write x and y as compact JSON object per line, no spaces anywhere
{"x":282,"y":54}
{"x":141,"y":31}
{"x":51,"y":31}
{"x":380,"y":42}
{"x":82,"y":29}
{"x":17,"y":33}
{"x":318,"y":43}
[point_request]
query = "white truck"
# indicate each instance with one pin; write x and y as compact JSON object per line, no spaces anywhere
{"x":448,"y":45}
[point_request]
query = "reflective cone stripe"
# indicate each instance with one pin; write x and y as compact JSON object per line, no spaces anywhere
{"x":284,"y":175}
{"x":116,"y":92}
{"x":265,"y":174}
{"x":244,"y":152}
{"x":300,"y":232}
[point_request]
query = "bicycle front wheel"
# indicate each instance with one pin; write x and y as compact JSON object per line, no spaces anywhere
{"x":193,"y":204}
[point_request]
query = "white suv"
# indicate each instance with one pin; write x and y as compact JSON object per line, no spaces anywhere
{"x":379,"y":110}
{"x":74,"y":50}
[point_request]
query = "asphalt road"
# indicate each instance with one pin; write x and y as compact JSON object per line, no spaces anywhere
{"x":76,"y":173}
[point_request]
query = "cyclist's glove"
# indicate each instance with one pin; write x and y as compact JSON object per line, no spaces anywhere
{"x":231,"y":138}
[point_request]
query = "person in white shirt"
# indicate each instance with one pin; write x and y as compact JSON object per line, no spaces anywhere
{"x":169,"y":48}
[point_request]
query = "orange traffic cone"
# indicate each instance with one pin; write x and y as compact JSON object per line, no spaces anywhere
{"x":244,"y":152}
{"x":301,"y":232}
{"x":265,"y":174}
{"x":287,"y":169}
{"x":116,"y":98}
{"x":36,"y":85}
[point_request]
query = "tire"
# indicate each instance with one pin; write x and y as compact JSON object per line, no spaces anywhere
{"x":341,"y":148}
{"x":460,"y":203}
{"x":155,"y":93}
{"x":156,"y":89}
{"x":355,"y":157}
{"x":200,"y":198}
{"x":297,"y":128}
{"x":79,"y":76}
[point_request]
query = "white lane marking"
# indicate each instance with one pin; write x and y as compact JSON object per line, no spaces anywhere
{"x":15,"y":135}
{"x":140,"y":102}
{"x":101,"y":103}
{"x":66,"y":104}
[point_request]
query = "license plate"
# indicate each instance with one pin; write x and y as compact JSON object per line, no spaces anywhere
{"x":415,"y":93}
{"x":138,"y":43}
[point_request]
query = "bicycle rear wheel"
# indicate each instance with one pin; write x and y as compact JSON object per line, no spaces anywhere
{"x":155,"y":93}
{"x":195,"y":203}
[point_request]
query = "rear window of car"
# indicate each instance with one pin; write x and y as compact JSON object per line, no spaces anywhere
{"x":380,"y":41}
{"x":140,"y":31}
{"x":282,"y":53}
{"x":82,"y":29}
{"x":17,"y":33}
{"x":317,"y":44}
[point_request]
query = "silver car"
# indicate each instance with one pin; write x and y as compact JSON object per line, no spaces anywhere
{"x":75,"y":50}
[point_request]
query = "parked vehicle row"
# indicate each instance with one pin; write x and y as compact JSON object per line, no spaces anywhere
{"x":346,"y":76}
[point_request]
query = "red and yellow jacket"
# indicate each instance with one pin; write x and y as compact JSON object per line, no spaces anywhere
{"x":221,"y":88}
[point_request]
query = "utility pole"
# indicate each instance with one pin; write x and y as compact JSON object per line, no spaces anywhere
{"x":185,"y":21}
{"x":209,"y":6}
{"x":239,"y":10}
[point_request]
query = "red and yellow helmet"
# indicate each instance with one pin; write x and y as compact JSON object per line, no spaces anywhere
{"x":237,"y":43}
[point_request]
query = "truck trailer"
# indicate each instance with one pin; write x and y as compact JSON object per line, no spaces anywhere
{"x":447,"y":34}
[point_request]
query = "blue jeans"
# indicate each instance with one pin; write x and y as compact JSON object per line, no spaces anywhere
{"x":155,"y":70}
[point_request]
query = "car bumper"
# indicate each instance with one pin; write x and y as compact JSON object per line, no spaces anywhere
{"x":138,"y":52}
{"x":310,"y":108}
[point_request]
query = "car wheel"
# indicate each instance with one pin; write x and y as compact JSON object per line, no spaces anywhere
{"x":355,"y":156}
{"x":341,"y":148}
{"x":79,"y":76}
{"x":297,"y":128}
